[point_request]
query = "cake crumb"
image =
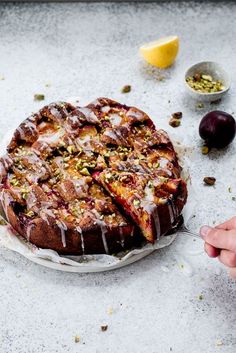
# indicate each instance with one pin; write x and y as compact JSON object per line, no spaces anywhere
{"x":209,"y":180}
{"x":110,"y":311}
{"x":199,"y":105}
{"x":39,"y":97}
{"x":174,"y":122}
{"x":77,"y":339}
{"x":219,"y":343}
{"x":177,"y":115}
{"x":104,"y":328}
{"x":126,"y":89}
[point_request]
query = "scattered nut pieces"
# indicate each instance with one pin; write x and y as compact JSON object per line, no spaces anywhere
{"x":39,"y":97}
{"x":177,"y":115}
{"x":205,"y":150}
{"x":209,"y":181}
{"x":77,"y":339}
{"x":136,"y":203}
{"x":2,"y":78}
{"x":200,"y":297}
{"x":174,"y":122}
{"x":219,"y":343}
{"x":204,"y":83}
{"x":47,"y":84}
{"x":110,"y":311}
{"x":200,"y":105}
{"x":104,"y":328}
{"x":2,"y":222}
{"x":126,"y":89}
{"x":229,"y":189}
{"x":233,"y":198}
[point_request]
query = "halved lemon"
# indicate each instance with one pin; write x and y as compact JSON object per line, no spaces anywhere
{"x":162,"y":52}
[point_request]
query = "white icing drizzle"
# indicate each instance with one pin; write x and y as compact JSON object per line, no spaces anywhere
{"x":89,"y":114}
{"x":44,"y":213}
{"x":103,"y":228}
{"x":150,"y":207}
{"x":5,"y":199}
{"x":62,"y":226}
{"x":84,"y":143}
{"x":28,"y":230}
{"x":115,"y":118}
{"x":80,"y":186}
{"x":75,"y":119}
{"x":135,"y":113}
{"x":29,"y":125}
{"x":163,"y":162}
{"x":171,"y":213}
{"x":106,"y":109}
{"x":2,"y":169}
{"x":115,"y":135}
{"x":56,"y":113}
{"x":31,"y":200}
{"x":52,"y":137}
{"x":122,"y":238}
{"x":79,"y":230}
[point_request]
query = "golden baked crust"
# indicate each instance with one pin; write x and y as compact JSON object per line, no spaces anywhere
{"x":94,"y":179}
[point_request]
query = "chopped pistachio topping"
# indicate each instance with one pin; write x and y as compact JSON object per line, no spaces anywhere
{"x":205,"y":149}
{"x":30,"y":214}
{"x":70,"y":149}
{"x":84,"y":171}
{"x":14,"y":182}
{"x":2,"y":222}
{"x":136,"y":203}
{"x":209,"y":180}
{"x":66,"y":159}
{"x":108,"y":177}
{"x":39,"y":97}
{"x":205,"y":83}
{"x":126,"y":89}
{"x":174,"y":122}
{"x":199,"y":105}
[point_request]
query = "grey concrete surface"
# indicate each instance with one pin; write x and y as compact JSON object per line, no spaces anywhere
{"x":91,"y":50}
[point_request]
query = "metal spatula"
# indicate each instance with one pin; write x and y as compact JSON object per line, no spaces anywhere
{"x":182,"y":228}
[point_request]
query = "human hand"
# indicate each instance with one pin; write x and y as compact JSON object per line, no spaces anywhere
{"x":221,"y":242}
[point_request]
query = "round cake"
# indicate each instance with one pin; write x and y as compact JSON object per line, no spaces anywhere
{"x":91,"y":180}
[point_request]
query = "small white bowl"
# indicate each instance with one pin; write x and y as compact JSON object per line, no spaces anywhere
{"x":208,"y":68}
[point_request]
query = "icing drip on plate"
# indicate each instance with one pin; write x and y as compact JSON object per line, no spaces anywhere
{"x":62,"y":226}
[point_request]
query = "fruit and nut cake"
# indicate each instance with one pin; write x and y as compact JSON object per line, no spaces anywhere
{"x":90,"y":180}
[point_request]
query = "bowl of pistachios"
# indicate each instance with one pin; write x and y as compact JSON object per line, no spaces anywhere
{"x":207,"y":81}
